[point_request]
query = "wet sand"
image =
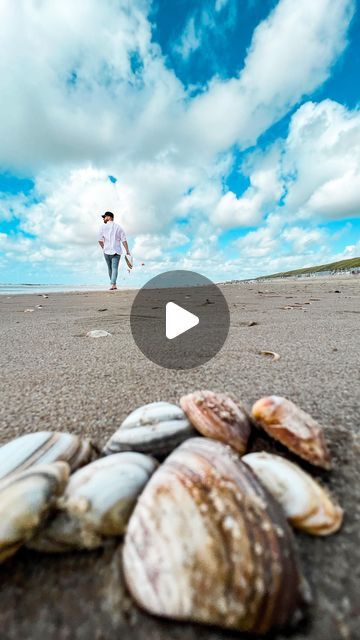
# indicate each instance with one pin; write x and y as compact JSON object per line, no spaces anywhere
{"x":53,"y":377}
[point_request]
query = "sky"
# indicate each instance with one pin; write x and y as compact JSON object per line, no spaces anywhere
{"x":232,"y":128}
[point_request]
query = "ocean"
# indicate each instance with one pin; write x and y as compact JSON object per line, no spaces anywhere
{"x":16,"y":289}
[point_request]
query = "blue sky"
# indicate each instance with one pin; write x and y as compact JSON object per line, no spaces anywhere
{"x":232,"y":127}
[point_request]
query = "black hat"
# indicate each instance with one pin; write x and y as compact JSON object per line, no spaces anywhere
{"x":108,"y":213}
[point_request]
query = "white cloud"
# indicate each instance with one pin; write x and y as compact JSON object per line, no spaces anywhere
{"x":303,"y":238}
{"x":276,"y":246}
{"x":263,"y":193}
{"x":151,"y":247}
{"x":220,"y":4}
{"x":82,"y":77}
{"x":314,"y":171}
{"x":88,"y":94}
{"x":190,"y":40}
{"x":322,"y":153}
{"x":262,"y":242}
{"x":291,"y":53}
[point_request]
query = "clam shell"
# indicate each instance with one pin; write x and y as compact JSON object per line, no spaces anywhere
{"x":207,"y":543}
{"x":218,"y":416}
{"x":155,"y":428}
{"x":294,"y":428}
{"x":97,"y":503}
{"x":25,"y":500}
{"x":43,"y":447}
{"x":306,"y":504}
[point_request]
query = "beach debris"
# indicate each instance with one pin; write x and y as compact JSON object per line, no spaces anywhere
{"x":294,"y":428}
{"x":156,"y":428}
{"x":218,"y":416}
{"x":25,"y":501}
{"x":271,"y":355}
{"x":104,"y":309}
{"x":97,"y":503}
{"x":207,"y":543}
{"x":28,"y":310}
{"x":253,"y":323}
{"x":98,"y":333}
{"x":44,"y":447}
{"x":306,"y":504}
{"x":39,"y":306}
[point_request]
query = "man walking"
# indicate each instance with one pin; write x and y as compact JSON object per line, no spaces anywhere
{"x":111,"y":235}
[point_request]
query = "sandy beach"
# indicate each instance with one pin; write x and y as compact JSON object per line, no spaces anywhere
{"x":55,"y":378}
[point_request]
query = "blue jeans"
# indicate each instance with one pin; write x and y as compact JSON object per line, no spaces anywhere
{"x":113,"y":266}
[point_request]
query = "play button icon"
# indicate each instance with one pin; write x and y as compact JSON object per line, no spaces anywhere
{"x":179,"y":319}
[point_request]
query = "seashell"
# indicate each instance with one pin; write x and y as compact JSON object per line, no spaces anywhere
{"x":306,"y":504}
{"x":98,"y":333}
{"x":43,"y":447}
{"x":207,"y":543}
{"x":294,"y":428}
{"x":155,"y":428}
{"x":271,"y":355}
{"x":97,"y":503}
{"x":217,"y":416}
{"x":25,"y":500}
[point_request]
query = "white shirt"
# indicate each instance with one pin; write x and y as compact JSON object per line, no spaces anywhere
{"x":112,"y":235}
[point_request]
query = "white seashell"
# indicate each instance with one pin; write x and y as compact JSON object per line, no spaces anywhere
{"x":25,"y":500}
{"x":306,"y":504}
{"x":155,"y":428}
{"x":43,"y":447}
{"x":207,"y":543}
{"x":97,"y":503}
{"x":98,"y":333}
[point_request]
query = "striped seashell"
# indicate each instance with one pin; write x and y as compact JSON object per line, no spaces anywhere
{"x":43,"y":447}
{"x":306,"y":504}
{"x":25,"y":501}
{"x":207,"y":543}
{"x":294,"y":428}
{"x":97,"y":503}
{"x":155,"y":428}
{"x":217,"y":416}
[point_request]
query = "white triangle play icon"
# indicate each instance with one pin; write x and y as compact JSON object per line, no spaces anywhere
{"x":178,"y":320}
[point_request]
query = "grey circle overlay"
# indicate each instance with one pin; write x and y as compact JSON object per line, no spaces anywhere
{"x":192,"y":292}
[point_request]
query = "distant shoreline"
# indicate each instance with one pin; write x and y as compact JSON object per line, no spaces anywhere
{"x":44,"y":289}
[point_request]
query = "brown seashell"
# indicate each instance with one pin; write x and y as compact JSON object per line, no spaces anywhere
{"x":306,"y":504}
{"x":207,"y":543}
{"x":294,"y":428}
{"x":217,"y":416}
{"x":271,"y":355}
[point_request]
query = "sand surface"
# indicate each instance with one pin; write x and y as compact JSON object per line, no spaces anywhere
{"x":53,"y":377}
